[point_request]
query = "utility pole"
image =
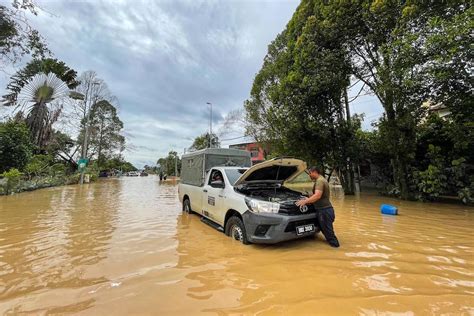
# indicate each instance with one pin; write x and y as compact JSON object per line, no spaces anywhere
{"x":176,"y":165}
{"x":86,"y":132}
{"x":210,"y":126}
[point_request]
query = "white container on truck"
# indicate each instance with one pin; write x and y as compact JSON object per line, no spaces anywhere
{"x":250,"y":204}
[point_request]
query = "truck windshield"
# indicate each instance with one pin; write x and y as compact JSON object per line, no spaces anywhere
{"x":234,"y":174}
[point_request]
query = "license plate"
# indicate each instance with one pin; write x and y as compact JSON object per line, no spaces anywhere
{"x":300,"y":230}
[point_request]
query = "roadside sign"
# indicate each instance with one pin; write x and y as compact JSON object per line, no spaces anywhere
{"x":82,"y":164}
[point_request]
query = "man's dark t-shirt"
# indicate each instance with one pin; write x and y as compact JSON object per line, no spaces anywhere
{"x":322,"y":184}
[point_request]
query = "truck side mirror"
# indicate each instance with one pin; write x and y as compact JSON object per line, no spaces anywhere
{"x":218,"y":184}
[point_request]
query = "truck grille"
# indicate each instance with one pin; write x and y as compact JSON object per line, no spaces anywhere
{"x":289,"y":208}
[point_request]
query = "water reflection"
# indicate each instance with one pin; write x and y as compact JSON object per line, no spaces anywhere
{"x":48,"y":239}
{"x":123,"y":246}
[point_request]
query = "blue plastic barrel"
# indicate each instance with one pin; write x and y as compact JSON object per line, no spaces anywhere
{"x":388,"y":209}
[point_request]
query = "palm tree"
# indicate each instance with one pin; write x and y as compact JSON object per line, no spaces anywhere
{"x":35,"y":96}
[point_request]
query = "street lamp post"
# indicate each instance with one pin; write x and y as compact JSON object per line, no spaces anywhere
{"x":210,"y":125}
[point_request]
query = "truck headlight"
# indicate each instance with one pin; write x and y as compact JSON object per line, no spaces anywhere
{"x":259,"y":206}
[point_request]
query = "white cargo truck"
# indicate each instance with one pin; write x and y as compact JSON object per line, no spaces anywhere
{"x":250,"y":204}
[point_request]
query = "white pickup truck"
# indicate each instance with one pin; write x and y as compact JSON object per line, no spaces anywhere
{"x":250,"y":204}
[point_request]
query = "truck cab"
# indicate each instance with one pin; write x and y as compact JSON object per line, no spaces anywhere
{"x":251,"y":204}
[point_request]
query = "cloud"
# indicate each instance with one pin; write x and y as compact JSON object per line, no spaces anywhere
{"x":165,"y":59}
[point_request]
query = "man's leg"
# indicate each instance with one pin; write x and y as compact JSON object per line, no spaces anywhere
{"x":325,"y":219}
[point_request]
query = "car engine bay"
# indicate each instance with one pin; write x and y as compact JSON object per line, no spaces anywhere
{"x":277,"y":193}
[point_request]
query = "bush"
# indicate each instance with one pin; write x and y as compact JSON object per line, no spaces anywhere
{"x":58,"y":169}
{"x":93,"y":177}
{"x":15,"y":145}
{"x":467,"y":194}
{"x":431,"y":182}
{"x":38,"y":165}
{"x":73,"y":178}
{"x":13,"y":177}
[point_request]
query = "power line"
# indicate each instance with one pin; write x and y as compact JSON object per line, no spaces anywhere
{"x":233,"y":138}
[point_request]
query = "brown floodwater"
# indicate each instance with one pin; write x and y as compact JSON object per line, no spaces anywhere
{"x":122,"y":246}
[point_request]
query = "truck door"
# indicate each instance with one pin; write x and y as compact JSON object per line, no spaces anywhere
{"x":213,"y":197}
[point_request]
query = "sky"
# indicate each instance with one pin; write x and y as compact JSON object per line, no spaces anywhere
{"x":164,"y":60}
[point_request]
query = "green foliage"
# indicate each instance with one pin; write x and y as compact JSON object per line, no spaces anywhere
{"x":449,"y":45}
{"x":467,"y":195}
{"x":36,"y":66}
{"x":38,"y":166}
{"x":127,"y":167}
{"x":203,"y":141}
{"x":297,"y":99}
{"x":39,"y":117}
{"x":118,"y":163}
{"x":405,"y":53}
{"x":15,"y":145}
{"x":454,"y":155}
{"x":59,"y":143}
{"x":105,"y":129}
{"x":167,"y":164}
{"x":432,"y":182}
{"x":17,"y":37}
{"x":13,"y":179}
{"x":372,"y":150}
{"x":73,"y":178}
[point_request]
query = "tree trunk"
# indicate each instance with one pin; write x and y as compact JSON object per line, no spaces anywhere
{"x":99,"y":157}
{"x":400,"y":175}
{"x":36,"y":123}
{"x":350,"y":187}
{"x":349,"y":168}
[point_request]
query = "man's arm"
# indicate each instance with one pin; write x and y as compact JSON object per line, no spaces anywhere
{"x":310,"y":200}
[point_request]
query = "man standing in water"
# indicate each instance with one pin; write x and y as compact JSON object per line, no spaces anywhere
{"x":324,"y":209}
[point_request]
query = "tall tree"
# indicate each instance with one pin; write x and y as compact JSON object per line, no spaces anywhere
{"x":34,"y":98}
{"x":387,"y":45}
{"x":169,"y":163}
{"x":105,"y":131}
{"x":296,"y":99}
{"x":205,"y":141}
{"x":34,"y":67}
{"x":34,"y":88}
{"x":91,"y":90}
{"x":396,"y":48}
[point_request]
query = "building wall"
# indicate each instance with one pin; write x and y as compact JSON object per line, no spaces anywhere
{"x":257,"y":153}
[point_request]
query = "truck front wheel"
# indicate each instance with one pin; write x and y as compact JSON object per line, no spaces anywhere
{"x":235,"y":229}
{"x":187,"y":206}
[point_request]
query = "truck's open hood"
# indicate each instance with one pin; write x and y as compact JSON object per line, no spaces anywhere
{"x":278,"y":169}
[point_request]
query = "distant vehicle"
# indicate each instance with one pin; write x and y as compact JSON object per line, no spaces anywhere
{"x":143,"y":174}
{"x":134,"y":174}
{"x":103,"y":174}
{"x":251,"y":205}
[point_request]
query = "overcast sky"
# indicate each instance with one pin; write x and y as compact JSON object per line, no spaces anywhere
{"x":165,"y":59}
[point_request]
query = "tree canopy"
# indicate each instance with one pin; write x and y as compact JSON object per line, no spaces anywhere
{"x":403,"y":52}
{"x":15,"y":145}
{"x":105,"y":129}
{"x":17,"y":37}
{"x":34,"y":67}
{"x":205,"y":140}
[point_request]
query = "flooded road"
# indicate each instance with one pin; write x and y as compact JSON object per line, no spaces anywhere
{"x":122,"y":246}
